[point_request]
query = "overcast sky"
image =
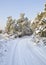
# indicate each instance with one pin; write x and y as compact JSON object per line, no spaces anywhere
{"x":15,"y":7}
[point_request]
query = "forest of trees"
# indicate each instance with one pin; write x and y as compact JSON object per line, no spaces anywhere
{"x":19,"y":27}
{"x":23,"y":26}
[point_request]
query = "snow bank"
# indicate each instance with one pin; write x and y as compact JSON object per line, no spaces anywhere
{"x":22,"y":51}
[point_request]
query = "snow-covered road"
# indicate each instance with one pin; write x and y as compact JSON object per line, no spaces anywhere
{"x":21,"y":51}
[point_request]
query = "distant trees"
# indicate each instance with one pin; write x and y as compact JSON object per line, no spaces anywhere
{"x":10,"y":25}
{"x":23,"y":26}
{"x":20,"y":27}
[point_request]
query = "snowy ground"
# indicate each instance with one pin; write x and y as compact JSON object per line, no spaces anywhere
{"x":22,"y":51}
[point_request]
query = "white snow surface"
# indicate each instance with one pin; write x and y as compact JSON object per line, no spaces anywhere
{"x":22,"y":51}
